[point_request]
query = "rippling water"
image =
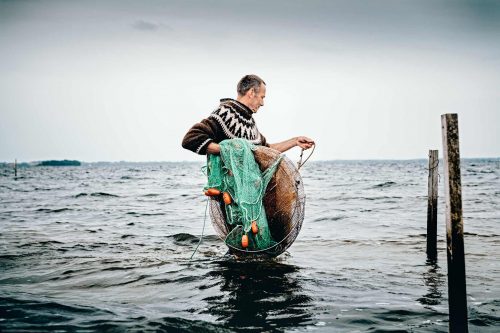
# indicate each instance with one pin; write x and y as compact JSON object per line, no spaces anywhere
{"x":106,"y":247}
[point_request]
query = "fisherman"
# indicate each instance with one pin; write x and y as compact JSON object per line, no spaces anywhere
{"x":234,"y":119}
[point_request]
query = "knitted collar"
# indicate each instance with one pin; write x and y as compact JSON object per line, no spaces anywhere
{"x":237,"y":106}
{"x":236,"y":120}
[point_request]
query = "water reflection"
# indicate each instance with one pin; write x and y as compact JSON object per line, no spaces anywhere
{"x":434,"y":280}
{"x":259,"y":296}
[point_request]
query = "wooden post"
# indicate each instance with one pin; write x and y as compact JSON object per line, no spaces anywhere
{"x":432,"y":205}
{"x":15,"y":168}
{"x":457,"y":295}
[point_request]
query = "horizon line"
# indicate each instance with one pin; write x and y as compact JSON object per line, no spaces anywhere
{"x":193,"y":161}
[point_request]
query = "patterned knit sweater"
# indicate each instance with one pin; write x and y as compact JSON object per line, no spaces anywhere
{"x":231,"y":120}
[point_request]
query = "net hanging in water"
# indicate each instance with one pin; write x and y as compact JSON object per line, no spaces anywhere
{"x":237,"y":173}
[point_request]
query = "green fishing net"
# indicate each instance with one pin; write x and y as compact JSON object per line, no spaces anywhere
{"x":236,"y":172}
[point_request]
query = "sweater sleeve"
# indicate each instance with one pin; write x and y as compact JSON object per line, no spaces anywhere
{"x":200,"y":135}
{"x":264,"y":141}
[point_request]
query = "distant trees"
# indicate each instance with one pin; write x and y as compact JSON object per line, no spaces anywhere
{"x":60,"y":163}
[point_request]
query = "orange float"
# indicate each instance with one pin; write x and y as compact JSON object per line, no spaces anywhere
{"x":227,"y":198}
{"x":255,"y":228}
{"x":211,"y":192}
{"x":244,"y":241}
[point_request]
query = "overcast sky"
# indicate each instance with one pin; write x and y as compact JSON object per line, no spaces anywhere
{"x":124,"y":80}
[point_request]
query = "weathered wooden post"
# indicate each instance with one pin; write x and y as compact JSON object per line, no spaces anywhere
{"x":15,"y":168}
{"x":457,"y":295}
{"x":432,"y":205}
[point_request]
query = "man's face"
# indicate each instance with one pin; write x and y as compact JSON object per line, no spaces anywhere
{"x":257,"y":98}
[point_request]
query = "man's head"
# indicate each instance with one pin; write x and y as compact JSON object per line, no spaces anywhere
{"x":252,"y":91}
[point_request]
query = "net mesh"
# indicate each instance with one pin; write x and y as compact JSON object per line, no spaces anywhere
{"x":265,"y":187}
{"x":236,"y":172}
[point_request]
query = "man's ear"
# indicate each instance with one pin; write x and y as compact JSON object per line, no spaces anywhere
{"x":251,"y":93}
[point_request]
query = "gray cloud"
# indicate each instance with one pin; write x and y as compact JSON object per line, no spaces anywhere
{"x":144,"y":25}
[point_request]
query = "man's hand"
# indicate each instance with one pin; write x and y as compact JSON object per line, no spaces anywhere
{"x":299,"y":141}
{"x":304,"y":142}
{"x":213,"y":148}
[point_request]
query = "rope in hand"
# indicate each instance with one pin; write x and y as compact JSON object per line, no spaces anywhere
{"x":202,"y":231}
{"x":300,"y":163}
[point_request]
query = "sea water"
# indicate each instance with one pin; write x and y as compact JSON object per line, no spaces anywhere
{"x":106,"y":247}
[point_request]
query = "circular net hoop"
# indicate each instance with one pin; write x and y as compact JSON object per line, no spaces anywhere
{"x":284,"y":202}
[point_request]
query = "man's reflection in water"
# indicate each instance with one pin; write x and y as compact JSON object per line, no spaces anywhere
{"x":259,"y":296}
{"x":434,"y":280}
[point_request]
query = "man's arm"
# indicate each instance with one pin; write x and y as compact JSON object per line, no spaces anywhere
{"x":200,"y":136}
{"x":213,"y":148}
{"x":300,"y":141}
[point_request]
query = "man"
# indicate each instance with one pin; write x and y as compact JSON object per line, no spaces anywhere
{"x":234,"y":119}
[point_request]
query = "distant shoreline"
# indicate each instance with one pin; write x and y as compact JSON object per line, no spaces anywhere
{"x":41,"y":163}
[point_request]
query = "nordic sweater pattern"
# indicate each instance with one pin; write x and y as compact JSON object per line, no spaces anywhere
{"x":231,"y":120}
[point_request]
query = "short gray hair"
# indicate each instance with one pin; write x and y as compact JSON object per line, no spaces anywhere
{"x":248,"y":82}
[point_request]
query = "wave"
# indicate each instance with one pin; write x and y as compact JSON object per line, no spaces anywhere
{"x":43,"y":189}
{"x":484,"y":314}
{"x":184,"y":238}
{"x":356,"y":198}
{"x":188,"y":239}
{"x":127,"y":236}
{"x":328,"y":218}
{"x":480,"y":235}
{"x":144,"y":214}
{"x":103,"y":194}
{"x":175,"y":324}
{"x":58,"y":210}
{"x":386,"y":184}
{"x":96,"y":194}
{"x":27,"y":315}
